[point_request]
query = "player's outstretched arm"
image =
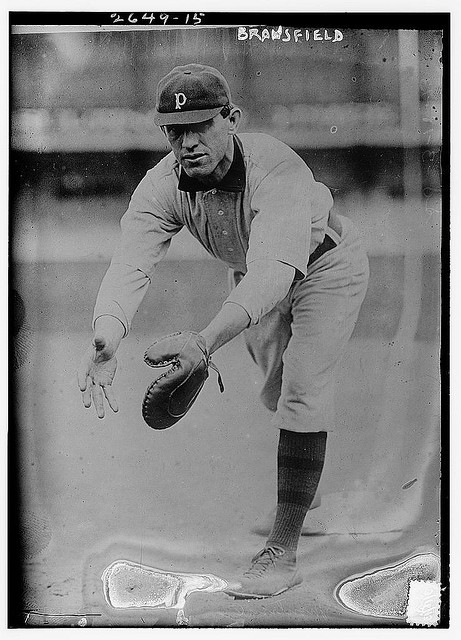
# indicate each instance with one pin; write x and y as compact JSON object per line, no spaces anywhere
{"x":99,"y":364}
{"x":266,"y":283}
{"x":231,"y":320}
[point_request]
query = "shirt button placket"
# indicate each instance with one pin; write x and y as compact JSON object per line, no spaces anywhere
{"x":225,"y":232}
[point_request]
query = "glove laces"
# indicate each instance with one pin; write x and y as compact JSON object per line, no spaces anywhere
{"x":211,"y":364}
{"x":215,"y":368}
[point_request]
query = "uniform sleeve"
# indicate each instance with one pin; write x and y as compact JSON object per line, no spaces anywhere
{"x":146,"y":228}
{"x":266,"y":283}
{"x":146,"y":231}
{"x":120,"y":294}
{"x":285,"y":203}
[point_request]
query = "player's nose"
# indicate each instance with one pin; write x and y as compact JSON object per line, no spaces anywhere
{"x":190,"y":139}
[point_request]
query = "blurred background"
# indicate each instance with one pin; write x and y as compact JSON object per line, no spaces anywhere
{"x":365,"y":114}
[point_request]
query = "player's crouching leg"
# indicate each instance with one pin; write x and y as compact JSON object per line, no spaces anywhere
{"x":273,"y":570}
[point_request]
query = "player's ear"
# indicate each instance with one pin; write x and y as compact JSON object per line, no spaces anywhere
{"x":234,"y":120}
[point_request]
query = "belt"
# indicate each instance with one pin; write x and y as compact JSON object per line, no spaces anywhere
{"x":327,"y":244}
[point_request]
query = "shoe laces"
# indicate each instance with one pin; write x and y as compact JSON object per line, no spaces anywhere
{"x":262,"y":560}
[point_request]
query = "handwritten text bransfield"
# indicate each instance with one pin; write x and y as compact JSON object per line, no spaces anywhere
{"x":285,"y":34}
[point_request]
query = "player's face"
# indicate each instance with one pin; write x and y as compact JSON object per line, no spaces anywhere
{"x":204,"y":150}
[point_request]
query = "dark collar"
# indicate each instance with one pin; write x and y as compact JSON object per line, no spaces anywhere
{"x":234,"y":180}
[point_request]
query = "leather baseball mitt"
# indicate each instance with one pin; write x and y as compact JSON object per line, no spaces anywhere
{"x":172,"y":394}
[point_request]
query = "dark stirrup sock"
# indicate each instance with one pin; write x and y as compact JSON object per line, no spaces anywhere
{"x":300,"y":461}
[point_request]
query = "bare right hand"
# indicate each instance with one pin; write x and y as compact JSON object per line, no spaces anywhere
{"x":95,"y":375}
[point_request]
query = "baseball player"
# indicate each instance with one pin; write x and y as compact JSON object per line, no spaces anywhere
{"x":298,"y":272}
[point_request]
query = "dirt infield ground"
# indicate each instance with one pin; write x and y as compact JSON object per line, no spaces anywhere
{"x":186,"y":499}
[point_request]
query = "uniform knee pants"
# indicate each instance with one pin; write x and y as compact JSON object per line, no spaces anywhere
{"x":298,"y":343}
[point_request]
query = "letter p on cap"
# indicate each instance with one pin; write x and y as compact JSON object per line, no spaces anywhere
{"x":180,"y":100}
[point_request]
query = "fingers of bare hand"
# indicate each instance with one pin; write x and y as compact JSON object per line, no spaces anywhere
{"x":82,"y":375}
{"x":98,"y":400}
{"x":86,"y":394}
{"x":112,"y":402}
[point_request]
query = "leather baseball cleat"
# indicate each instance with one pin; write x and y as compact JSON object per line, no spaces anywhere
{"x":272,"y":571}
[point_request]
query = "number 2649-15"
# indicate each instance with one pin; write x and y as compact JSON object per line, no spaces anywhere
{"x":195,"y":19}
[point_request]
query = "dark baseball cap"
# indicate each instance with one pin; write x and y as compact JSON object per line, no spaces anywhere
{"x":189,"y":94}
